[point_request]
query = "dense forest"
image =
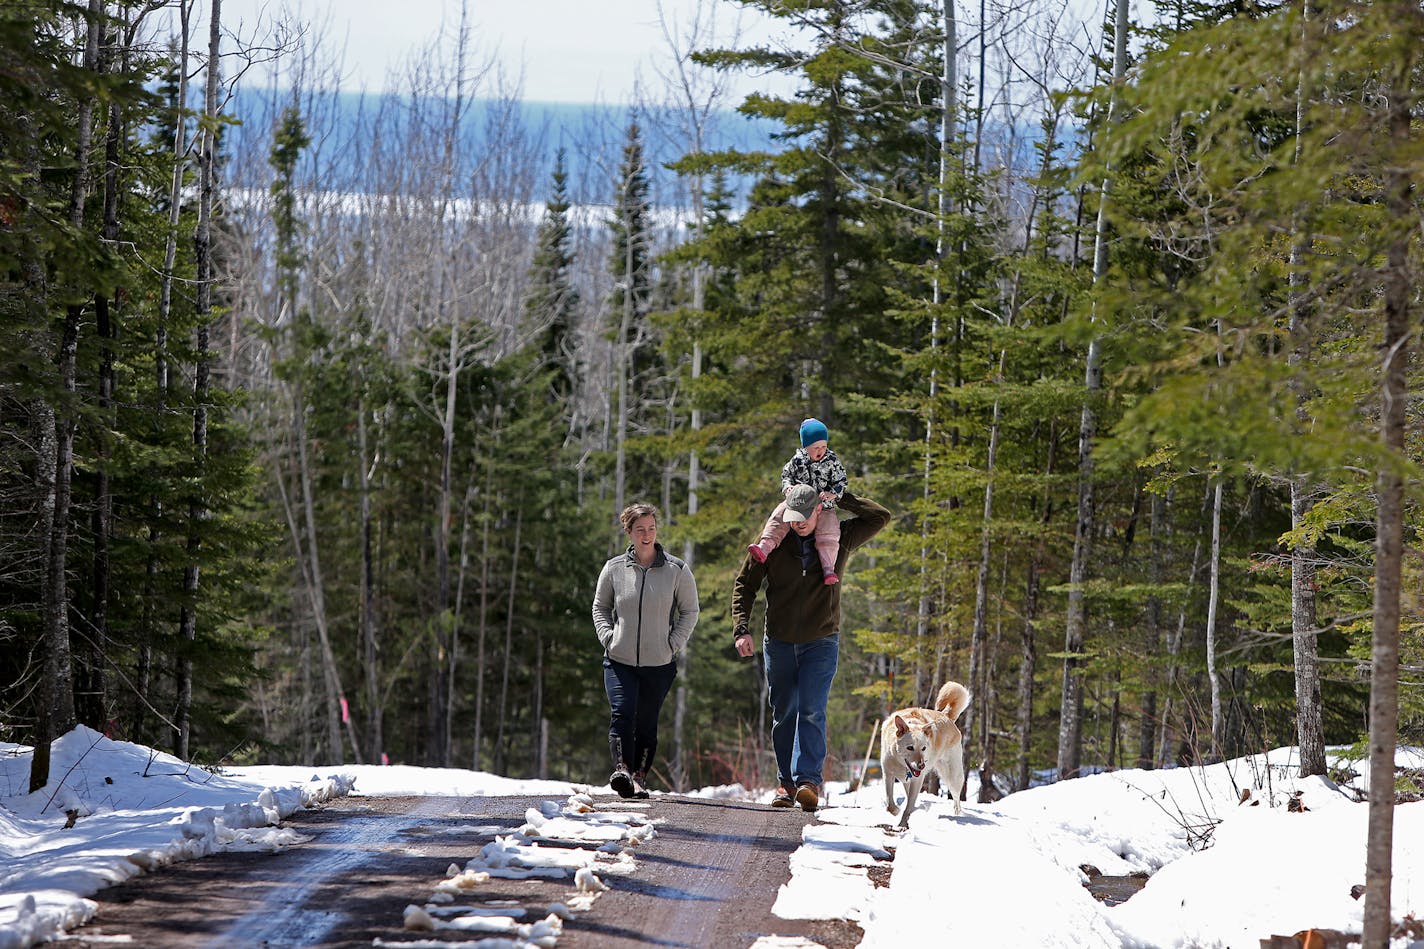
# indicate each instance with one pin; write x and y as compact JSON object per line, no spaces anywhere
{"x":316,"y":413}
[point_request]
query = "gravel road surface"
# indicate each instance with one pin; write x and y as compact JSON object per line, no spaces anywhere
{"x":708,"y":879}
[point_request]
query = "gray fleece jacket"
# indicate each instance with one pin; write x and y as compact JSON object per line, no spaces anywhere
{"x":644,"y":615}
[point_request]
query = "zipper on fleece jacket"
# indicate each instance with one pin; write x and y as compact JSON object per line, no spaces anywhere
{"x":642,"y":586}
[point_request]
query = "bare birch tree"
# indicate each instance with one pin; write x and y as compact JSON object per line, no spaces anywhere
{"x":1399,"y":343}
{"x":56,"y":697}
{"x":695,"y":95}
{"x":203,"y":255}
{"x":1213,"y":601}
{"x":1310,"y":730}
{"x":1070,"y":727}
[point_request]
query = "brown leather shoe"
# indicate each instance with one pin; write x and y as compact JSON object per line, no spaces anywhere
{"x":808,"y":796}
{"x":783,"y":797}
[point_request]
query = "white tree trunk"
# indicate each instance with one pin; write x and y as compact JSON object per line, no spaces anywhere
{"x":1070,"y":727}
{"x":1389,"y":530}
{"x":1213,"y":597}
{"x":1174,"y":651}
{"x":483,"y":629}
{"x":316,"y":584}
{"x":976,"y":725}
{"x":375,"y":711}
{"x":1310,"y":729}
{"x":948,"y":116}
{"x":625,"y":325}
{"x":1146,"y":746}
{"x":443,"y":659}
{"x":56,"y":696}
{"x":501,"y":764}
{"x":203,"y":256}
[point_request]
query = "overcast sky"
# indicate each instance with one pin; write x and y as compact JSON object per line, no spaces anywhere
{"x":564,"y":50}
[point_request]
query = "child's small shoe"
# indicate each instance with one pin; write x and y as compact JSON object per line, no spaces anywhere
{"x":832,"y":579}
{"x":757,"y":553}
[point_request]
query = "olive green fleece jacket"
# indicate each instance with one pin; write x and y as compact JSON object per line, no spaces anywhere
{"x":800,"y":608}
{"x":644,"y":615}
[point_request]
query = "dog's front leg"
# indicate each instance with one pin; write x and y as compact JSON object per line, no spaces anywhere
{"x":912,"y":792}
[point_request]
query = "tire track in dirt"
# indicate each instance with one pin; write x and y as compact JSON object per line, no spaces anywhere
{"x":287,"y":915}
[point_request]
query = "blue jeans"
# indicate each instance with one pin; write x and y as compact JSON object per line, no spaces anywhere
{"x":799,"y":676}
{"x":635,"y":697}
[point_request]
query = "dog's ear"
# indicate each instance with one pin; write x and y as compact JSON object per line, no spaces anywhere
{"x":900,"y":726}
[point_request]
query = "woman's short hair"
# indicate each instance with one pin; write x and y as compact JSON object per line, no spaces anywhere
{"x":632,"y":512}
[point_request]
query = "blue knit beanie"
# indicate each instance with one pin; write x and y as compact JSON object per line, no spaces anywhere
{"x":812,"y":431}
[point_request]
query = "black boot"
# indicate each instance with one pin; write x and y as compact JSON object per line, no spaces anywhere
{"x":640,"y":773}
{"x":621,"y":780}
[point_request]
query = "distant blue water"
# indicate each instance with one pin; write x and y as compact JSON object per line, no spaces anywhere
{"x":592,"y":135}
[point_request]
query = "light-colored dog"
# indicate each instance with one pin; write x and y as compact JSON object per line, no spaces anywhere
{"x":916,"y":740}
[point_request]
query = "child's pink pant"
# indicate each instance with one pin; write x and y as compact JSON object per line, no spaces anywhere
{"x":828,"y":536}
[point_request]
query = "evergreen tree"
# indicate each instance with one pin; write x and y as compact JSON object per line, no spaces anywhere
{"x":1220,"y":167}
{"x":818,"y":245}
{"x":551,"y":302}
{"x":801,"y":323}
{"x":630,"y":264}
{"x":133,"y":458}
{"x":45,"y":257}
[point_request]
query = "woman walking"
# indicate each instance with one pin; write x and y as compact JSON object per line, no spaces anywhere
{"x":644,"y":609}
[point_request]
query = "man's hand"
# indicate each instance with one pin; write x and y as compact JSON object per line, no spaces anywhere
{"x":744,"y":645}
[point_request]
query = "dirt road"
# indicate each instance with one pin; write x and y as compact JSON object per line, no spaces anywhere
{"x":708,"y":879}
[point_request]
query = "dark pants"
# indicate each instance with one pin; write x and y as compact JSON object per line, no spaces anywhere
{"x":635,"y":697}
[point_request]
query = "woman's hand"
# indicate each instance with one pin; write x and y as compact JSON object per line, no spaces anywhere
{"x":744,"y":645}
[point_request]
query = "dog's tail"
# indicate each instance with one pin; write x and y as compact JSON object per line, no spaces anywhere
{"x":953,"y":699}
